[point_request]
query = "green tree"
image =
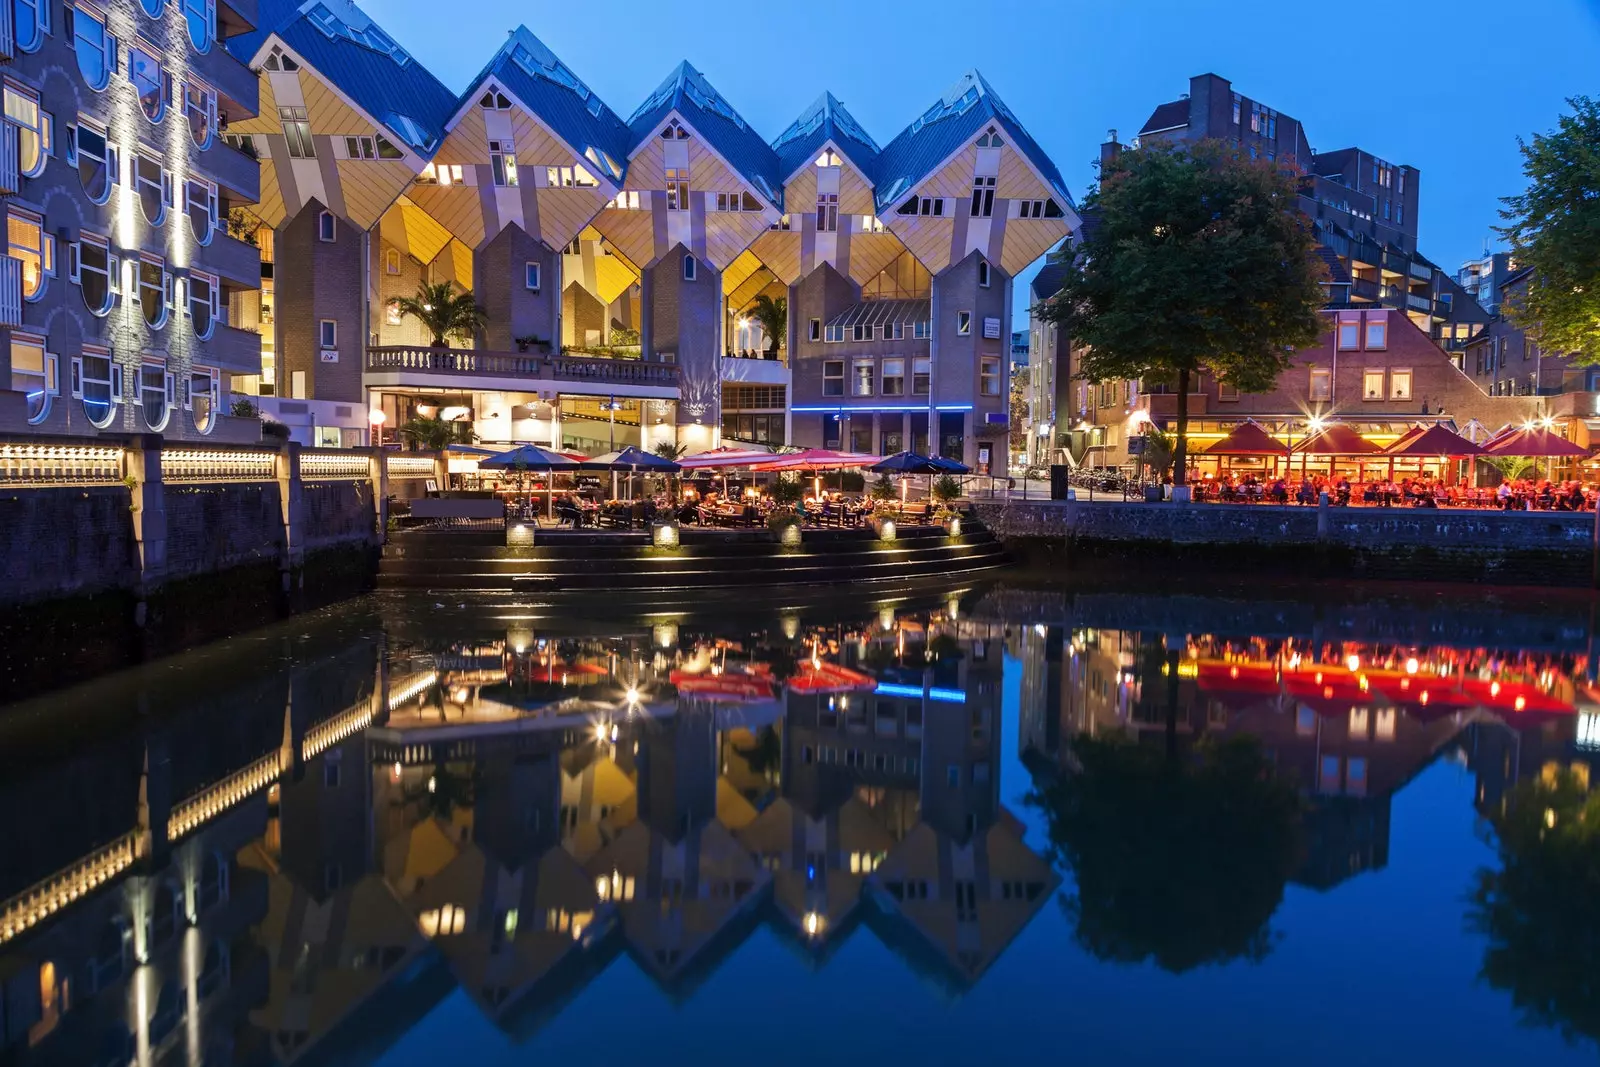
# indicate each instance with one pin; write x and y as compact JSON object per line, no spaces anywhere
{"x":883,"y":487}
{"x":1554,"y":228}
{"x":668,"y":450}
{"x":1018,"y":433}
{"x":442,"y":311}
{"x":431,"y":434}
{"x":1200,"y":264}
{"x":1537,"y":911}
{"x":946,"y":489}
{"x":773,"y":315}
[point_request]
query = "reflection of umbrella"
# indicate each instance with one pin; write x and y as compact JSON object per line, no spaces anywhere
{"x":950,"y":466}
{"x":1536,"y":441}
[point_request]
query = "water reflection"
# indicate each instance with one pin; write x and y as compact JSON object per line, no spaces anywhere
{"x":303,"y":854}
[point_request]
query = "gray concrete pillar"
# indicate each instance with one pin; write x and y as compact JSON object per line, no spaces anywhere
{"x":293,"y":503}
{"x":142,"y":474}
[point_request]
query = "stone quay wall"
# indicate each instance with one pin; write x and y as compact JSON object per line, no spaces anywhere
{"x":116,"y":550}
{"x":1421,"y":544}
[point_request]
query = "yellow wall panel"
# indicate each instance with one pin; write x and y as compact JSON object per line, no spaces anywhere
{"x":871,"y":254}
{"x":266,"y":118}
{"x":855,"y":195}
{"x":455,"y":207}
{"x":1028,"y":239}
{"x":780,"y":251}
{"x":631,"y":232}
{"x":954,"y":178}
{"x":928,"y":239}
{"x":648,"y":170}
{"x":613,"y":277}
{"x":270,"y":207}
{"x":327,"y":112}
{"x":564,"y":213}
{"x":1017,"y":181}
{"x":466,"y":142}
{"x":740,"y":269}
{"x":728,"y":233}
{"x":800,"y":195}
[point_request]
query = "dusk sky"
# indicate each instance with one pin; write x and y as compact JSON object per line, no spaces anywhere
{"x":1444,"y":88}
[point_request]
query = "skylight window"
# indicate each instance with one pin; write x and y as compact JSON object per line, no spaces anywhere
{"x":358,"y":29}
{"x":700,"y":91}
{"x":603,"y":161}
{"x":548,"y":67}
{"x":409,"y":129}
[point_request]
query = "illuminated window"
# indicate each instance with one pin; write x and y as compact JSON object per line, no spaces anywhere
{"x":200,"y":204}
{"x":96,"y":49}
{"x":33,"y":374}
{"x":569,"y":178}
{"x":864,"y":372}
{"x":33,"y":129}
{"x":1383,"y":724}
{"x":35,"y":248}
{"x":154,"y":291}
{"x":94,"y":268}
{"x":963,"y":323}
{"x":674,"y":132}
{"x":833,"y":377}
{"x":1400,"y":385}
{"x":155,"y":394}
{"x":200,"y":108}
{"x":829,"y":158}
{"x":1349,"y":335}
{"x":203,"y":303}
{"x":202,"y":398}
{"x":921,"y":375}
{"x":98,"y":383}
{"x":153,"y":84}
{"x":444,"y":921}
{"x":677,"y":189}
{"x":626,"y":201}
{"x":1321,"y":384}
{"x":1372,"y":385}
{"x":297,"y":131}
{"x":201,"y":15}
{"x":503,"y":163}
{"x":32,"y":21}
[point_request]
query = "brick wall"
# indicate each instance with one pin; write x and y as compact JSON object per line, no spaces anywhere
{"x":316,"y":280}
{"x":685,"y":321}
{"x":512,"y":308}
{"x":213,"y":527}
{"x":336,"y":512}
{"x":64,"y":541}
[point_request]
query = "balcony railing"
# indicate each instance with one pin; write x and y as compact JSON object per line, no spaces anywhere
{"x":10,"y":291}
{"x":8,"y":33}
{"x":1418,"y":303}
{"x":469,"y":362}
{"x":1364,"y":288}
{"x":1421,"y":271}
{"x":1396,"y":264}
{"x":1365,"y":252}
{"x":10,"y":172}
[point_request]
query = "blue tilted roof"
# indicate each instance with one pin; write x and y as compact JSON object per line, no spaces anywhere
{"x":526,"y":67}
{"x":342,"y":44}
{"x":938,"y":133}
{"x":825,"y":120}
{"x":687,"y":92}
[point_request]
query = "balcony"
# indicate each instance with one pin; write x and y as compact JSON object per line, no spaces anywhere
{"x":1421,"y":271}
{"x":238,"y":264}
{"x":8,"y":33}
{"x":238,"y":177}
{"x":1419,"y":303}
{"x":466,"y":368}
{"x":1395,"y":263}
{"x":237,"y":88}
{"x":234,"y":350}
{"x":1361,"y":287}
{"x":10,"y":291}
{"x":10,"y":172}
{"x":1366,"y":252}
{"x":754,"y":368}
{"x":237,"y":16}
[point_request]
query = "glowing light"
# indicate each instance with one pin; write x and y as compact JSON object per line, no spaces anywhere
{"x":1327,"y":692}
{"x":433,"y":784}
{"x":1494,"y":689}
{"x":376,"y":416}
{"x":1233,"y":672}
{"x":1424,"y":698}
{"x":813,"y":924}
{"x":1550,"y":818}
{"x":886,"y":530}
{"x":394,"y":772}
{"x":632,"y":695}
{"x":1353,"y":662}
{"x":599,"y":731}
{"x":1411,"y":665}
{"x":1520,"y":703}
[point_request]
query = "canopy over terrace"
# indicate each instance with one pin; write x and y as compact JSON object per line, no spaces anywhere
{"x":1532,"y":441}
{"x":1336,"y":439}
{"x":725,"y":457}
{"x":1437,"y":440}
{"x":818,"y":459}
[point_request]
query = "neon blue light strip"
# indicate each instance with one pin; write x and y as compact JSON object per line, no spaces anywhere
{"x":948,"y":696}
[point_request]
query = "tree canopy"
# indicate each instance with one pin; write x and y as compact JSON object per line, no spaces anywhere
{"x":442,"y":311}
{"x":1195,"y":261}
{"x":1554,"y":228}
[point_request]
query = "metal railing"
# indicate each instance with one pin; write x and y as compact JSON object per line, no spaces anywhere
{"x":10,"y":154}
{"x":526,"y":365}
{"x":10,"y":291}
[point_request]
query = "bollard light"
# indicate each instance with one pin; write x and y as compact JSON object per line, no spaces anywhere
{"x":955,"y":526}
{"x":519,"y":534}
{"x":790,"y":538}
{"x":886,"y":531}
{"x":667,"y":535}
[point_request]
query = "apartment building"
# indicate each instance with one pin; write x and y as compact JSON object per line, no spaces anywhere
{"x":120,"y":295}
{"x":623,"y":263}
{"x":1365,"y":212}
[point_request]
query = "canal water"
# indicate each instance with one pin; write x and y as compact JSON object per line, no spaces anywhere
{"x":951,"y":825}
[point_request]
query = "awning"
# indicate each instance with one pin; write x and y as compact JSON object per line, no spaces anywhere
{"x":878,"y":312}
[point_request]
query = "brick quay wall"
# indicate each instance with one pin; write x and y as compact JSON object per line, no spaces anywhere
{"x":1407,"y":544}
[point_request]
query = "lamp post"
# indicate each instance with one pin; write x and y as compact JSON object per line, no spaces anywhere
{"x":376,"y":418}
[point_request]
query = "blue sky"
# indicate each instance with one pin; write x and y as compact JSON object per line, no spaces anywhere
{"x":1444,"y":88}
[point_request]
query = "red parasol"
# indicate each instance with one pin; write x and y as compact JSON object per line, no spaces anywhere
{"x":1336,"y":439}
{"x":1535,"y":441}
{"x":1433,"y":441}
{"x":1248,"y":439}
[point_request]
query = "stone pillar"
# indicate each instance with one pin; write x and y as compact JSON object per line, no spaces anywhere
{"x":378,"y":473}
{"x":142,"y":472}
{"x":289,"y":496}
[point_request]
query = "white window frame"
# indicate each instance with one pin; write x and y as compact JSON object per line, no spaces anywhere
{"x":166,"y":389}
{"x":827,"y":212}
{"x":113,"y":384}
{"x":990,"y":371}
{"x":18,"y":100}
{"x":214,"y":391}
{"x":327,"y":334}
{"x":45,"y":253}
{"x":863,"y":386}
{"x":503,"y":163}
{"x":213,"y":303}
{"x":816,"y":330}
{"x":1325,"y":376}
{"x":531,"y":276}
{"x":83,"y":43}
{"x":41,"y":19}
{"x":208,"y":203}
{"x":921,"y":368}
{"x":391,"y":261}
{"x":963,"y":324}
{"x":1350,"y":342}
{"x":894,"y":370}
{"x":1377,"y":326}
{"x":163,"y":291}
{"x":327,"y":223}
{"x":832,"y":377}
{"x":1397,"y":377}
{"x":985,"y":274}
{"x":49,"y":372}
{"x":691,"y":267}
{"x":206,"y":11}
{"x":1368,"y":393}
{"x":163,"y":80}
{"x":161,"y":187}
{"x":75,"y":269}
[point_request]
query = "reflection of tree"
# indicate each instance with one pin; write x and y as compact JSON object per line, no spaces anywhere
{"x":447,"y":787}
{"x":1538,"y":911}
{"x":1179,"y":861}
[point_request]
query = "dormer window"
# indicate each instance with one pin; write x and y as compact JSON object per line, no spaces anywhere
{"x":829,"y":158}
{"x":674,"y":131}
{"x":990,"y":139}
{"x":494,"y":100}
{"x":279,"y":61}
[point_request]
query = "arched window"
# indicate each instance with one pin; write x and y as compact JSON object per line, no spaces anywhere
{"x":97,"y":381}
{"x":96,"y":158}
{"x":690,"y":268}
{"x":155,"y":395}
{"x":154,"y":291}
{"x":33,"y":374}
{"x":95,"y":47}
{"x":94,"y":268}
{"x":201,"y":15}
{"x":153,"y":84}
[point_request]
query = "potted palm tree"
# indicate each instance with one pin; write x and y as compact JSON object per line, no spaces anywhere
{"x":442,"y":311}
{"x":434,"y":435}
{"x":773,"y":315}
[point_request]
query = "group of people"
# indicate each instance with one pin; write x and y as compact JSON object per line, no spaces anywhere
{"x":1425,"y":491}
